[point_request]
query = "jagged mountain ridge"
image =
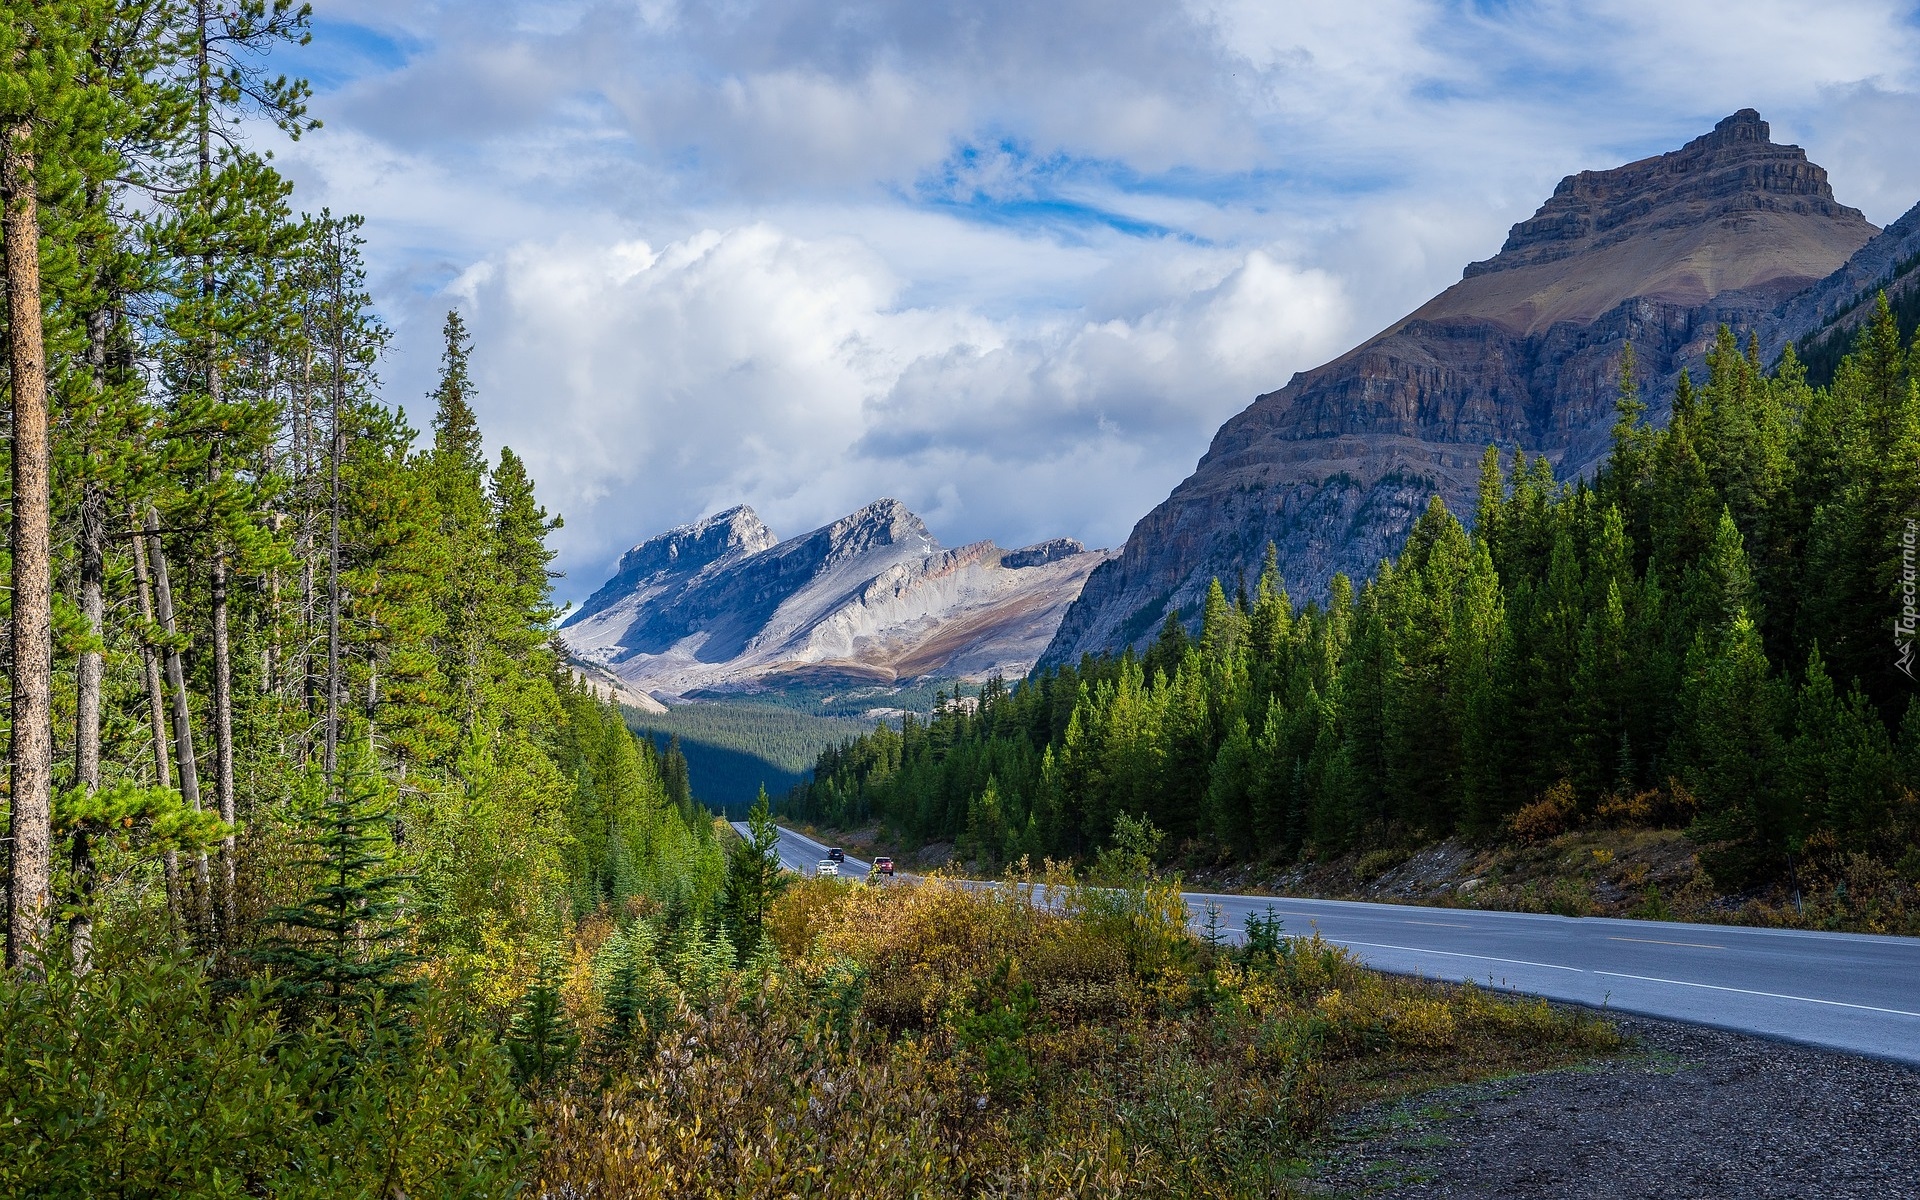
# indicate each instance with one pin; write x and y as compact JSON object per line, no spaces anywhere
{"x":873,"y":597}
{"x":1522,"y":352}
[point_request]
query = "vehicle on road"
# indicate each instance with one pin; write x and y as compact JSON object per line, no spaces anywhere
{"x":827,"y":867}
{"x":837,"y":854}
{"x":883,"y":866}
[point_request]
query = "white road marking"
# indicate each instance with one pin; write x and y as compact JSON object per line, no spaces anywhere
{"x":1281,"y":912}
{"x":1714,"y":987}
{"x":1456,"y":954}
{"x":1658,"y":942}
{"x":1441,"y":924}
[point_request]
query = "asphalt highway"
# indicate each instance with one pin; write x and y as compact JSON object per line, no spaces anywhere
{"x":1844,"y":991}
{"x":802,"y":854}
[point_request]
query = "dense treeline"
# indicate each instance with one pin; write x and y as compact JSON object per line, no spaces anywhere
{"x":300,"y":795}
{"x":735,"y":749}
{"x":1706,"y":634}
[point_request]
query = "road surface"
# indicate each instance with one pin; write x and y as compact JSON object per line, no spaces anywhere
{"x":1845,"y":991}
{"x":801,"y":853}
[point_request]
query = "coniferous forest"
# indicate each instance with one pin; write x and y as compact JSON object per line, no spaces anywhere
{"x":302,"y":806}
{"x":1703,"y":636}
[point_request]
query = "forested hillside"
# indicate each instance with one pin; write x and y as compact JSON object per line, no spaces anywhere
{"x":735,"y":749}
{"x":299,"y":798}
{"x":1706,"y":635}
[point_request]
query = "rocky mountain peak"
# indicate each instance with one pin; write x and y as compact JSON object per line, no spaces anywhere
{"x":870,"y":597}
{"x":693,"y":545}
{"x":1735,"y":168}
{"x":1523,"y":352}
{"x":681,"y":552}
{"x":1040,"y":554}
{"x":1743,"y":126}
{"x":885,"y":522}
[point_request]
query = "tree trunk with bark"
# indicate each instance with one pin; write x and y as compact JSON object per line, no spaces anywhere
{"x":156,"y":714}
{"x":86,"y":740}
{"x":223,"y":737}
{"x":182,"y":714}
{"x":29,"y":910}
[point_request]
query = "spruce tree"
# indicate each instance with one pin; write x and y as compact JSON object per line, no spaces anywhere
{"x":1730,"y":749}
{"x":458,"y":471}
{"x":754,"y":880}
{"x":540,"y":1038}
{"x":344,"y":944}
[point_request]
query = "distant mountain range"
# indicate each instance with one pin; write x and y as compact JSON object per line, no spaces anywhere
{"x":723,"y":605}
{"x":1523,"y":352}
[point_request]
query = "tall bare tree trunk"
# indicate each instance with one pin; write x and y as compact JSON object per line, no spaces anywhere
{"x":29,"y":910}
{"x":157,"y":715}
{"x":331,"y":760}
{"x":89,"y":675}
{"x":222,"y":648}
{"x":182,"y":714}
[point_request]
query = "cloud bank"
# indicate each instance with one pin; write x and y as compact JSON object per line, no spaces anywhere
{"x":1011,"y":263}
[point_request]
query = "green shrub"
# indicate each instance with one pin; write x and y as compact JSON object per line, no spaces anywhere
{"x":146,"y":1082}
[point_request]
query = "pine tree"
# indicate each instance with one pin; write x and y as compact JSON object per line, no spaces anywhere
{"x":986,"y":835}
{"x":540,"y":1038}
{"x":1230,"y":816}
{"x":458,"y":470}
{"x":1731,"y":752}
{"x":343,"y":945}
{"x":1841,"y":770}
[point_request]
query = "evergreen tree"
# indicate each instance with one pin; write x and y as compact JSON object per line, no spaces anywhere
{"x":754,"y":880}
{"x":1230,"y":815}
{"x":1731,"y":752}
{"x":344,"y":943}
{"x":540,"y":1038}
{"x":458,"y":471}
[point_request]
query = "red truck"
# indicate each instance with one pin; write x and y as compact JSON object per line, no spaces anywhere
{"x":883,"y":866}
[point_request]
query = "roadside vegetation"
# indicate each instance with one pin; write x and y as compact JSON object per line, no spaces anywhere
{"x":1705,"y":639}
{"x":933,"y":1039}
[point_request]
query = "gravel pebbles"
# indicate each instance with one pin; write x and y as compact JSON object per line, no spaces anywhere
{"x":1693,"y":1114}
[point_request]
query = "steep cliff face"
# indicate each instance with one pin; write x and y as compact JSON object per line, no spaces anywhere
{"x":870,"y":598}
{"x":1523,"y":352}
{"x":1822,"y":320}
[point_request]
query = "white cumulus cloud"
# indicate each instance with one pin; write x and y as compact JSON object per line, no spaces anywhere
{"x":1012,"y":263}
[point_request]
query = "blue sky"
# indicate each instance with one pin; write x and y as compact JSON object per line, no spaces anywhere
{"x":1012,"y":263}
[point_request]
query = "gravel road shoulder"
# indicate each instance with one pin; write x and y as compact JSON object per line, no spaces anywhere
{"x":1691,"y":1114}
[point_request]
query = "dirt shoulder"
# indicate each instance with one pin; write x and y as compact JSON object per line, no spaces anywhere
{"x":1693,"y":1114}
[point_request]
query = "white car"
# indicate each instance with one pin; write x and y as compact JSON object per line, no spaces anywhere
{"x":827,"y":867}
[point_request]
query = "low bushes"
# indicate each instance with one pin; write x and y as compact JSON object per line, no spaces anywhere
{"x":937,"y":1041}
{"x":144,"y":1081}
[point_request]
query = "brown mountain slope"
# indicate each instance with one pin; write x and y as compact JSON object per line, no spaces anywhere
{"x":1523,"y":351}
